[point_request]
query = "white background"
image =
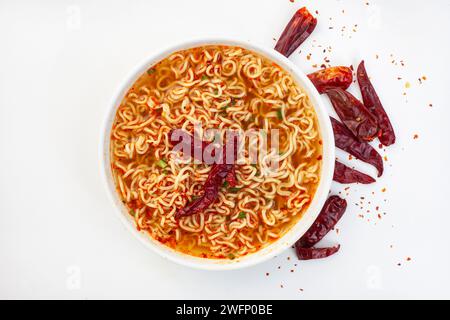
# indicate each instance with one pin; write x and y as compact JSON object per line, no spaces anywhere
{"x":60,"y":63}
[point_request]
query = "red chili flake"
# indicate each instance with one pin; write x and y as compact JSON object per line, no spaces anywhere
{"x":408,"y":259}
{"x":296,"y":32}
{"x":267,"y":274}
{"x":416,"y":136}
{"x":383,"y":190}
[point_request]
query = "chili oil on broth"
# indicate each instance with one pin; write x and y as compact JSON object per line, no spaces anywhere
{"x":222,"y":87}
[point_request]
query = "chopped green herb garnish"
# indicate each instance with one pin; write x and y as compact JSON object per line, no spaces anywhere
{"x":242,"y":215}
{"x":231,"y":256}
{"x":161,"y":163}
{"x":279,"y":114}
{"x":234,"y":190}
{"x":132,"y":212}
{"x":225,"y":184}
{"x":216,"y":91}
{"x":204,"y":77}
{"x":151,"y":71}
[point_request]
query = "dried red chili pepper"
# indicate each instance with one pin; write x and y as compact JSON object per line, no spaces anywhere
{"x":354,"y":115}
{"x":220,"y":172}
{"x":373,"y":103}
{"x":330,"y":214}
{"x":344,"y":174}
{"x":296,"y":32}
{"x":315,"y":253}
{"x":331,"y":78}
{"x":346,"y":141}
{"x":215,"y":180}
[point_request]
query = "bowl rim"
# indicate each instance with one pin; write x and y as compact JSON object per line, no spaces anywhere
{"x":276,"y":247}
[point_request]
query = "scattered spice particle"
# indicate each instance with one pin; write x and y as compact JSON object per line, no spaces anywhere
{"x":430,"y":105}
{"x":424,"y":78}
{"x":383,"y":190}
{"x":289,"y":258}
{"x":301,"y":289}
{"x":279,"y":267}
{"x":416,"y":136}
{"x":408,"y":259}
{"x":379,"y":216}
{"x":407,"y":85}
{"x":385,"y":158}
{"x":399,"y":264}
{"x":292,"y":270}
{"x":281,"y":286}
{"x":267,"y":274}
{"x":308,"y":57}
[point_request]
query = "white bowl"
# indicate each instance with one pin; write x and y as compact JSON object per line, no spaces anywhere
{"x":276,"y":247}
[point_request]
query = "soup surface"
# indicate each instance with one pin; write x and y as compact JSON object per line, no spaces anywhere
{"x":218,"y":87}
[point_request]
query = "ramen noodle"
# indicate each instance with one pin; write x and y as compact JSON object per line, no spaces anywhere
{"x":220,"y":88}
